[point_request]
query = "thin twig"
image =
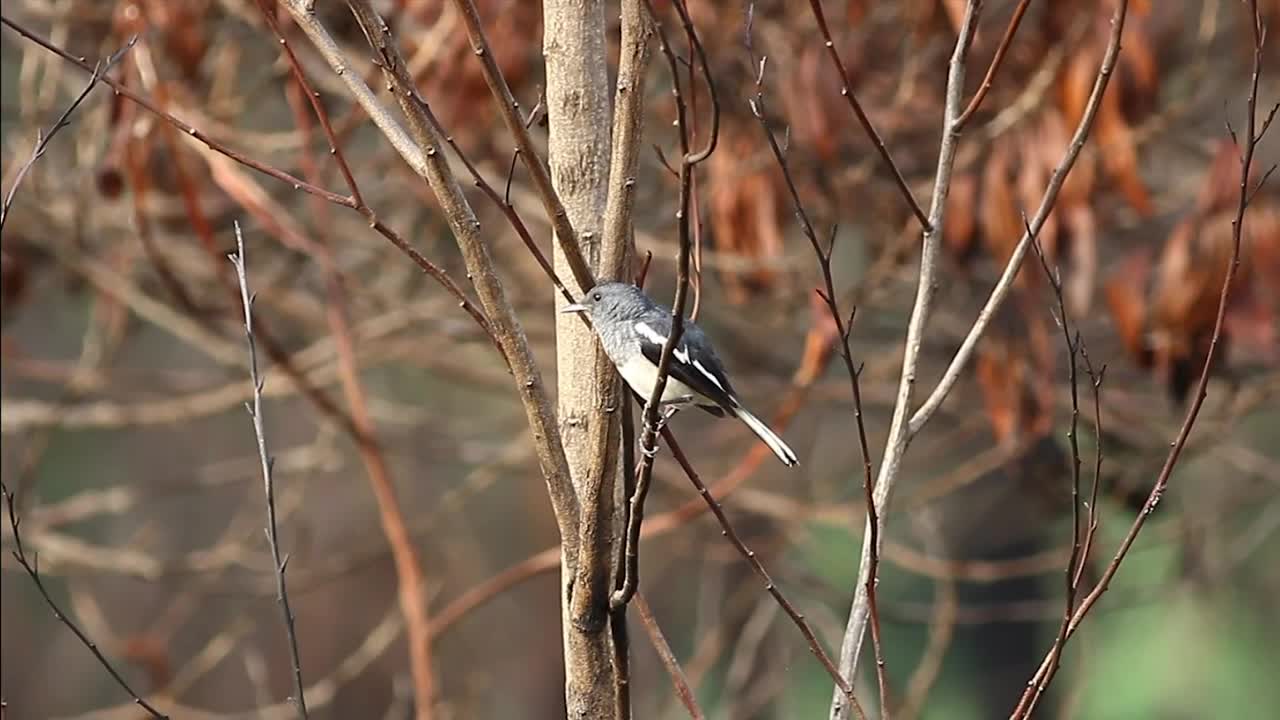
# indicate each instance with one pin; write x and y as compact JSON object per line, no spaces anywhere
{"x":1047,"y":202}
{"x":44,"y":138}
{"x":754,"y":561}
{"x":659,"y":641}
{"x":1091,"y":524}
{"x":996,"y":60}
{"x":1045,"y":674}
{"x":423,"y":153}
{"x":410,"y":574}
{"x":565,"y":234}
{"x":32,"y":568}
{"x":865,"y":121}
{"x":513,"y":217}
{"x":278,"y":562}
{"x":899,"y":435}
{"x":650,"y":422}
{"x":843,"y":330}
{"x":1074,"y":345}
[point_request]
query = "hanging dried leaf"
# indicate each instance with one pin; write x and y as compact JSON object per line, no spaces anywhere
{"x":743,"y":212}
{"x":1016,"y":389}
{"x":961,"y":222}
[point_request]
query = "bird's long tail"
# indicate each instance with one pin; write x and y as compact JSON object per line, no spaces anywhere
{"x":770,"y":438}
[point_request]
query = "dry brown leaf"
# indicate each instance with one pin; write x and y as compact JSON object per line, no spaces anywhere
{"x":743,"y":212}
{"x":1015,"y":382}
{"x":961,"y":222}
{"x":1000,"y":217}
{"x":1127,"y":300}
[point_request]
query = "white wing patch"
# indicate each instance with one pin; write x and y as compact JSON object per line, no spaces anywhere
{"x":710,"y":376}
{"x":650,"y":334}
{"x":681,"y":354}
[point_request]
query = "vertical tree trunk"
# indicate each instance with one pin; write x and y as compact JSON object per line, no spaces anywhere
{"x":578,"y":148}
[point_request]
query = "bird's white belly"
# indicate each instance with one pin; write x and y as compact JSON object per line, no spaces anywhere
{"x":641,"y":374}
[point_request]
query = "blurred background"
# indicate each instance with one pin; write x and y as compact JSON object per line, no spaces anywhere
{"x":135,"y":470}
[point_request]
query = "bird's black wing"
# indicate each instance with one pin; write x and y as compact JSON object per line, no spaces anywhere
{"x":694,"y":362}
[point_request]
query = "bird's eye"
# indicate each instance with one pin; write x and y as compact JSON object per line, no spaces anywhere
{"x":596,"y":297}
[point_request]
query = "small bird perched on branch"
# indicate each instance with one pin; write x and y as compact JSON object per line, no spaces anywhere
{"x":633,"y":330}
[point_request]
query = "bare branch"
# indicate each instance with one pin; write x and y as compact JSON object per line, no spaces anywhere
{"x":566,"y":235}
{"x":44,"y":138}
{"x":828,"y":295}
{"x":1056,"y":180}
{"x":1045,"y":674}
{"x":424,"y":156}
{"x":753,"y":560}
{"x":996,"y":60}
{"x":278,"y":562}
{"x":669,"y":661}
{"x":31,"y":566}
{"x":899,"y":435}
{"x":870,"y":129}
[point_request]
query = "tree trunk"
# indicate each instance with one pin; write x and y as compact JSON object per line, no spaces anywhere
{"x":577,"y":99}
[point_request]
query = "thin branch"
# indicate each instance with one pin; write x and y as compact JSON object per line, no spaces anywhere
{"x":628,"y":131}
{"x":856,"y":107}
{"x":1047,"y":202}
{"x":651,"y":421}
{"x":1045,"y":674}
{"x":513,"y":217}
{"x":659,"y":641}
{"x":509,"y":109}
{"x":1074,"y":563}
{"x":422,"y":153}
{"x":899,"y":435}
{"x":1091,"y":525}
{"x":828,"y":295}
{"x":44,"y":138}
{"x":749,"y":555}
{"x":32,"y":568}
{"x":996,"y":60}
{"x":278,"y":562}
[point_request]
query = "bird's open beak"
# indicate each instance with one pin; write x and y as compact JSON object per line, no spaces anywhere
{"x":574,"y":308}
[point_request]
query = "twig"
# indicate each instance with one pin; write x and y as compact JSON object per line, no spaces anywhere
{"x":422,"y":153}
{"x":44,"y":138}
{"x":410,"y":575}
{"x":899,"y":435}
{"x":1074,"y":562}
{"x":669,"y":661}
{"x":297,"y":183}
{"x":1045,"y":674}
{"x":996,"y":60}
{"x":1091,"y":524}
{"x":565,"y":234}
{"x":843,"y":330}
{"x":650,"y":422}
{"x":278,"y":562}
{"x":856,"y":107}
{"x":32,"y":568}
{"x":750,"y":556}
{"x":513,"y":217}
{"x":1047,"y":202}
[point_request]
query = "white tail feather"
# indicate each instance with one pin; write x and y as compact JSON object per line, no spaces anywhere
{"x":770,"y":438}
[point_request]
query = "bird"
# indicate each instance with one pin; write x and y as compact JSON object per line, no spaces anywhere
{"x":633,"y":330}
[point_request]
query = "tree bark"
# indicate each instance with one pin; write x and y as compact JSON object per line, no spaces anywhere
{"x":578,"y":111}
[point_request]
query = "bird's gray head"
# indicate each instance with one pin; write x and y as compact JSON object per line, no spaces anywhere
{"x":613,"y":301}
